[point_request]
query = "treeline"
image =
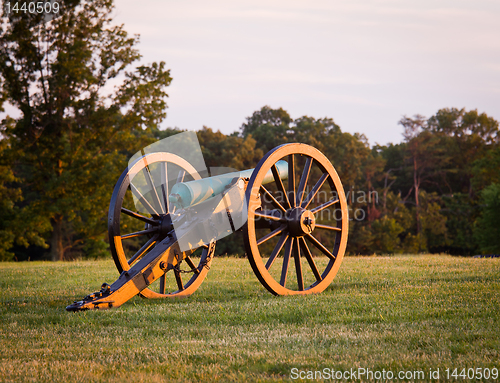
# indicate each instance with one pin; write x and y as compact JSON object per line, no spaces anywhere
{"x":437,"y":191}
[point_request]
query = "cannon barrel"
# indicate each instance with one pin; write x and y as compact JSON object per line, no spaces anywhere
{"x":185,"y":194}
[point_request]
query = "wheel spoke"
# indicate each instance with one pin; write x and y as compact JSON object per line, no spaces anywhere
{"x":151,"y":210}
{"x":291,"y":180}
{"x":286,"y":261}
{"x":139,"y":233}
{"x":270,"y":235}
{"x":315,"y":190}
{"x":180,"y":178}
{"x":310,"y":260}
{"x":151,"y":185}
{"x":178,"y":279}
{"x":320,"y":246}
{"x":162,"y":284}
{"x":164,"y":185}
{"x":274,"y":201}
{"x":267,"y":216}
{"x":279,"y":184}
{"x":324,"y":206}
{"x":138,"y":216}
{"x":326,"y":227}
{"x":191,"y":264}
{"x":276,"y":250}
{"x":303,"y":180}
{"x":298,"y":265}
{"x":143,"y":249}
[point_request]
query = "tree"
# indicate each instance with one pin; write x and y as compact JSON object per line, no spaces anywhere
{"x":8,"y":196}
{"x":465,"y":137}
{"x":424,"y":155}
{"x":232,"y":151}
{"x":486,"y":229}
{"x":461,"y":212}
{"x":386,"y":233}
{"x":433,"y":222}
{"x":392,"y":177}
{"x":470,"y":142}
{"x":272,"y":127}
{"x":485,"y":169}
{"x":373,"y":171}
{"x":269,"y":127}
{"x":346,"y":151}
{"x":74,"y":134}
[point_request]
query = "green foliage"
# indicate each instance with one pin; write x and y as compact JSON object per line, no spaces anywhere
{"x":487,"y":230}
{"x":485,"y":170}
{"x":95,"y":248}
{"x":465,"y":137}
{"x":273,"y":127}
{"x":435,"y":176}
{"x":269,"y":127}
{"x":461,"y":212}
{"x":230,"y":151}
{"x":433,"y":222}
{"x":73,"y":137}
{"x":8,"y":196}
{"x":386,"y":233}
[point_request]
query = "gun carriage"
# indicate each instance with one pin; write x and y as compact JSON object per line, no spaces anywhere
{"x":279,"y":205}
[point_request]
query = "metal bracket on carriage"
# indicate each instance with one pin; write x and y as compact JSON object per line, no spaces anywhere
{"x":97,"y":298}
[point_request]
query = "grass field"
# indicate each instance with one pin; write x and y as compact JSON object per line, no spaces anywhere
{"x":400,"y":313}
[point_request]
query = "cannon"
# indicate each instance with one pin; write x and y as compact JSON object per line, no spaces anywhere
{"x":166,"y":216}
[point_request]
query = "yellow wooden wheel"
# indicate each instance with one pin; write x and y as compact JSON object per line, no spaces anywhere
{"x":304,"y":217}
{"x":133,"y":233}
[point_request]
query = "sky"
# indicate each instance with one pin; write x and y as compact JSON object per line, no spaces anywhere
{"x":363,"y":63}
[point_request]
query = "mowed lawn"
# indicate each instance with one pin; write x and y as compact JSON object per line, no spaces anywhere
{"x":395,"y":313}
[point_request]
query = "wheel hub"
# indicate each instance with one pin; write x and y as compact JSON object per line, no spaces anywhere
{"x":300,"y":221}
{"x":164,"y":227}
